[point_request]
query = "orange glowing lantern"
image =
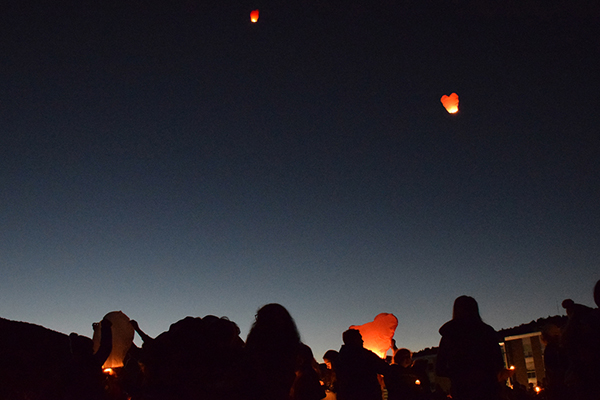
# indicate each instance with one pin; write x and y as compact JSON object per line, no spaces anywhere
{"x":122,"y":338}
{"x":450,"y":103}
{"x":254,"y":16}
{"x":417,"y":382}
{"x":377,"y":335}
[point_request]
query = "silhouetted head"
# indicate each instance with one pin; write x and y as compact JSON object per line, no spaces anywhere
{"x":186,"y":324}
{"x":275,"y":317}
{"x":597,"y":294}
{"x":330,"y":358}
{"x":466,"y":308}
{"x":220,"y":331}
{"x":273,"y":328}
{"x":403,"y":357}
{"x":569,"y":306}
{"x":80,"y":346}
{"x":352,"y":338}
{"x":575,"y":310}
{"x":551,"y":334}
{"x":273,"y":314}
{"x":305,"y":358}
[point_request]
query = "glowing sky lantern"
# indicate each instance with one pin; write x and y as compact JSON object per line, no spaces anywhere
{"x":450,"y":103}
{"x":254,"y":16}
{"x":122,"y":338}
{"x":377,"y":335}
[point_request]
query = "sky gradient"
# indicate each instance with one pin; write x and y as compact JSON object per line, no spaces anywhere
{"x":175,"y":160}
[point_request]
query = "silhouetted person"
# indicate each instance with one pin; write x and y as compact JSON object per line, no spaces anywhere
{"x":307,"y":385}
{"x":357,"y":369}
{"x":222,"y":348}
{"x":328,"y":374}
{"x":131,"y":377}
{"x":400,"y":381}
{"x":84,"y":375}
{"x":469,"y":354}
{"x":192,"y":360}
{"x":270,"y":355}
{"x":581,"y":340}
{"x":555,"y":363}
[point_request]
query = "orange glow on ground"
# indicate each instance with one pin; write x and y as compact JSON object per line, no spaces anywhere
{"x":254,"y":16}
{"x":450,"y":103}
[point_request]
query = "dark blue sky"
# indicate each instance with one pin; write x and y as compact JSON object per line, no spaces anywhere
{"x":174,"y":160}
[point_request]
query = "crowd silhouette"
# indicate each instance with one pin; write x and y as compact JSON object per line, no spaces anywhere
{"x":205,"y":358}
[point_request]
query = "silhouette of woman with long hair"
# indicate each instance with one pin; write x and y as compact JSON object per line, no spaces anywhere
{"x":271,"y":351}
{"x":469,"y":354}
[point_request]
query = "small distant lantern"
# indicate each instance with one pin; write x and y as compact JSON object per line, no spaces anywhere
{"x":254,"y":16}
{"x":450,"y":103}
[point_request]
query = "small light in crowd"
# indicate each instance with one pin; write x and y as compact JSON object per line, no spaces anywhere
{"x":417,"y":382}
{"x":512,"y":367}
{"x":538,"y":389}
{"x":109,"y":371}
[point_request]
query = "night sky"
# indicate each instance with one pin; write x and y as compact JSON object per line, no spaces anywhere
{"x":176,"y":159}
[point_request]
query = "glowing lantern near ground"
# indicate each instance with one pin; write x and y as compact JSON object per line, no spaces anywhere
{"x":254,"y":16}
{"x":450,"y":103}
{"x":377,"y":335}
{"x":417,"y":382}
